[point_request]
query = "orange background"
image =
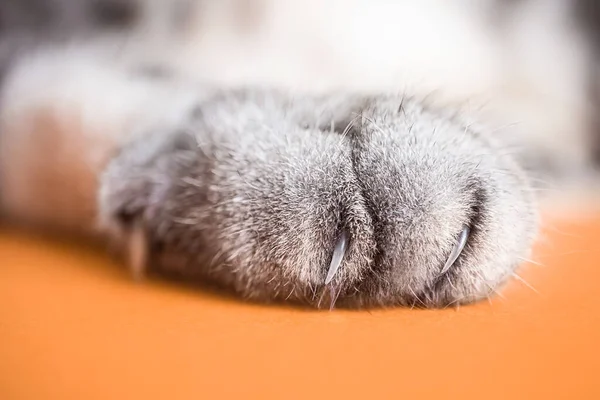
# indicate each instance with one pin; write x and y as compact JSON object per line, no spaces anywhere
{"x":73,"y":326}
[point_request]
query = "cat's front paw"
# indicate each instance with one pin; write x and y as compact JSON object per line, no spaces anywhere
{"x":397,"y":206}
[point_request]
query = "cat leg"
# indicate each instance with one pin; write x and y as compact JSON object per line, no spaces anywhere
{"x":64,"y":113}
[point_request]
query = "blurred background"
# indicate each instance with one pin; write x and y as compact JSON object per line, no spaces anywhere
{"x":527,"y":68}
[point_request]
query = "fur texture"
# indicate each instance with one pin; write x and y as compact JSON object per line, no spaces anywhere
{"x":249,"y":197}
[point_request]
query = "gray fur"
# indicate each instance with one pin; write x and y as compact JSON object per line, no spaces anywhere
{"x":257,"y":202}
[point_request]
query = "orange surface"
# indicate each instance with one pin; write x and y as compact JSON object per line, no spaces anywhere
{"x":73,"y":326}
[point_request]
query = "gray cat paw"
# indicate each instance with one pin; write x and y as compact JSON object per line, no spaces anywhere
{"x":394,"y":206}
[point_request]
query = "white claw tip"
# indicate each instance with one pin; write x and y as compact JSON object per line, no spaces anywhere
{"x":458,"y":248}
{"x":337,"y":257}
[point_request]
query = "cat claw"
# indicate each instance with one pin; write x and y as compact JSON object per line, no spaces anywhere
{"x":137,"y":251}
{"x":337,"y":257}
{"x":458,"y":248}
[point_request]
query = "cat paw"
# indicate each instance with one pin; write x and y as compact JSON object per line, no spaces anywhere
{"x":395,"y":206}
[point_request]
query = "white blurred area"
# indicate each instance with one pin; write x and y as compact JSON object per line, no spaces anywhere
{"x":520,"y":64}
{"x":321,"y":45}
{"x":523,"y":67}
